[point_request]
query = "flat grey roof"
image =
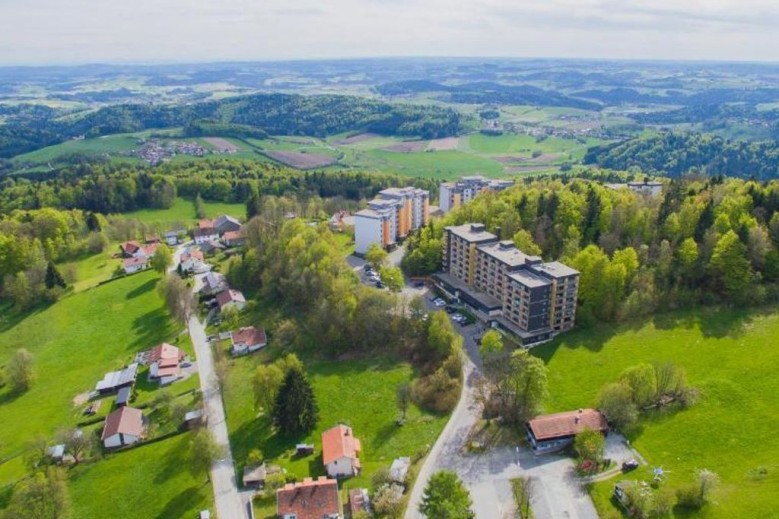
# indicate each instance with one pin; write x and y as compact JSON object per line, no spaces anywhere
{"x":511,"y":256}
{"x":529,"y":279}
{"x":467,"y":233}
{"x":555,"y":269}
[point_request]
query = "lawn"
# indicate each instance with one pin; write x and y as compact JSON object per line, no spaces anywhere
{"x":89,"y":271}
{"x":731,"y":357}
{"x":74,"y":342}
{"x":183,"y":212}
{"x":147,"y":482}
{"x":360,"y":393}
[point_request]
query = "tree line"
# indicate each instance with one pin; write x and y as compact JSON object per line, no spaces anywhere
{"x":703,"y":241}
{"x":115,"y":188}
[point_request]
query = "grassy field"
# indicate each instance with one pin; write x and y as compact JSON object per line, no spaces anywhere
{"x":360,"y":393}
{"x":89,"y":271}
{"x":731,"y":358}
{"x":147,"y":482}
{"x":183,"y":212}
{"x":74,"y":342}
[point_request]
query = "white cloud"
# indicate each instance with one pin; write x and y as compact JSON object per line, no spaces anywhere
{"x":75,"y":31}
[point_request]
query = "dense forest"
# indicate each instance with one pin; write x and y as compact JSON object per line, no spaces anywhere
{"x":705,"y":240}
{"x":674,"y":154}
{"x":278,"y":114}
{"x":106,"y":187}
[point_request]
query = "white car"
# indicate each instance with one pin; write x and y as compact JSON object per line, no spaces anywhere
{"x":440,"y":303}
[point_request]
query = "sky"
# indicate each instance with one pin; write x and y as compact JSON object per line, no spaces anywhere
{"x":36,"y":32}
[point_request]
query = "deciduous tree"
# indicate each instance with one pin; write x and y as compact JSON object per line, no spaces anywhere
{"x":445,"y":497}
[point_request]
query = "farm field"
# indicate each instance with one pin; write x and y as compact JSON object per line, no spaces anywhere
{"x":74,"y":342}
{"x":152,"y":480}
{"x":731,"y":358}
{"x":183,"y":212}
{"x":110,"y":144}
{"x":360,"y":393}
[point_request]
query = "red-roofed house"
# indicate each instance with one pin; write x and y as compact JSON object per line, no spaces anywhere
{"x":131,"y":249}
{"x":340,"y":451}
{"x":204,"y":234}
{"x":552,"y":432}
{"x":136,"y":264}
{"x":234,"y":238}
{"x":122,"y":427}
{"x":164,"y":362}
{"x":248,"y":340}
{"x":309,"y":499}
{"x":230,"y":299}
{"x":191,"y":259}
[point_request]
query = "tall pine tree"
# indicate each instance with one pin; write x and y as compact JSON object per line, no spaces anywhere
{"x":53,"y":277}
{"x":295,"y":411}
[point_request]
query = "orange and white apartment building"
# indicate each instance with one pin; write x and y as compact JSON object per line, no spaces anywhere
{"x":390,"y":217}
{"x":454,"y":194}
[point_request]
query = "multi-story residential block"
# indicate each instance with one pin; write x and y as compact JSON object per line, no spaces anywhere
{"x":390,"y":217}
{"x":454,"y":194}
{"x":507,"y":288}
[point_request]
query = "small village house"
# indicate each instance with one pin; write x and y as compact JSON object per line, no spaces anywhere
{"x":135,"y":264}
{"x":172,"y":237}
{"x":204,"y":234}
{"x":248,"y":339}
{"x":553,"y":432}
{"x":213,"y":283}
{"x":225,"y":223}
{"x":191,"y":259}
{"x":230,"y":299}
{"x":116,"y":380}
{"x":164,"y":362}
{"x":234,"y":238}
{"x":131,"y":249}
{"x":211,"y":247}
{"x":340,"y":452}
{"x":122,"y":427}
{"x":309,"y":499}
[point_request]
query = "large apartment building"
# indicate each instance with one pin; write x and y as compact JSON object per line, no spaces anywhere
{"x":390,"y":217}
{"x":454,"y":194}
{"x":507,"y":288}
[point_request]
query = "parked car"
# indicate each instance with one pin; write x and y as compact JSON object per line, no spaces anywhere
{"x":449,"y":309}
{"x":379,"y":284}
{"x":629,"y":465}
{"x":367,"y":267}
{"x":419,"y":284}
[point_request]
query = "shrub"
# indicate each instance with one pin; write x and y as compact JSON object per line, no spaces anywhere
{"x":437,"y":392}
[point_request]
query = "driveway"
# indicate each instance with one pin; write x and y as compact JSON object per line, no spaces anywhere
{"x":557,"y":492}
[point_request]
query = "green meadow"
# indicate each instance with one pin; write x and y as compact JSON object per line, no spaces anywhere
{"x":360,"y":393}
{"x":731,"y":358}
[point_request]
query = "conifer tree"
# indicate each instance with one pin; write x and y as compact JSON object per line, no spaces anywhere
{"x":295,"y":410}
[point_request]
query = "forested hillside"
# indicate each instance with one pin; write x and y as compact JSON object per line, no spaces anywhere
{"x":674,"y":154}
{"x":278,"y":114}
{"x":703,"y":241}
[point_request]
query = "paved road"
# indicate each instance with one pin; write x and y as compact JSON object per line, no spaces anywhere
{"x":557,"y":493}
{"x":230,"y":503}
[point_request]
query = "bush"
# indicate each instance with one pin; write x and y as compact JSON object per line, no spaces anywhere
{"x":387,"y":501}
{"x":437,"y":392}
